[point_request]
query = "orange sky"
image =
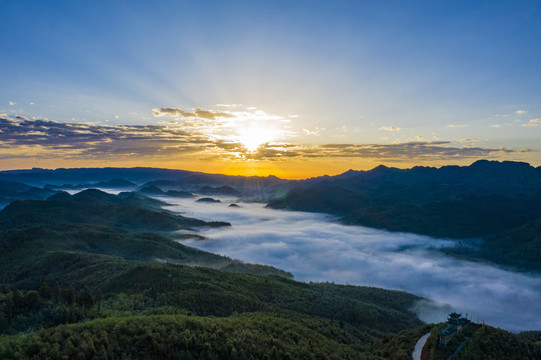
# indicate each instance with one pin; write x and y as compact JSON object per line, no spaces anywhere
{"x":287,"y":169}
{"x":253,"y":87}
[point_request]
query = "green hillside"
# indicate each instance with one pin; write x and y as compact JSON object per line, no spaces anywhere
{"x":128,"y":211}
{"x":247,"y":336}
{"x":75,"y":287}
{"x":499,"y":202}
{"x":480,"y":341}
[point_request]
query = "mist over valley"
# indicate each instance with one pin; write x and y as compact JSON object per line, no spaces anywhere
{"x":167,"y":248}
{"x":270,"y":180}
{"x":315,"y":247}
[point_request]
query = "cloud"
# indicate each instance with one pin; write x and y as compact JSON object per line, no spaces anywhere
{"x":533,"y":122}
{"x":11,"y":103}
{"x":390,"y":128}
{"x":229,"y":105}
{"x":315,"y":132}
{"x":521,"y":112}
{"x":457,"y":125}
{"x":70,"y":140}
{"x":495,"y":126}
{"x":196,"y":113}
{"x":229,"y":125}
{"x":313,"y":247}
{"x":469,"y":140}
{"x":41,"y":139}
{"x":410,"y":151}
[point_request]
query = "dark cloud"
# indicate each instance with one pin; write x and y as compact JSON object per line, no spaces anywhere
{"x":95,"y":141}
{"x":50,"y":139}
{"x":421,"y":151}
{"x":196,"y":113}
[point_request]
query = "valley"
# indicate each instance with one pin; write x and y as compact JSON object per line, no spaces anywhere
{"x":202,"y":255}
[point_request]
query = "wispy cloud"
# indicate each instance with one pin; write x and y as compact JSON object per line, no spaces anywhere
{"x":229,"y":105}
{"x":469,"y":140}
{"x":315,"y":132}
{"x":533,"y":122}
{"x":48,"y":138}
{"x":419,"y":150}
{"x":230,"y":125}
{"x":390,"y":128}
{"x":196,"y":113}
{"x":25,"y":138}
{"x":521,"y":112}
{"x":11,"y":103}
{"x":457,"y":125}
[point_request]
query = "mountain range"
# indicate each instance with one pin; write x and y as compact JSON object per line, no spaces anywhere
{"x":99,"y":276}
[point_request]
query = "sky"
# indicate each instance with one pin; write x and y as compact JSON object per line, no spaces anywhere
{"x":290,"y":88}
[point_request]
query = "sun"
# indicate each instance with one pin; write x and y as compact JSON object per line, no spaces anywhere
{"x":254,"y":136}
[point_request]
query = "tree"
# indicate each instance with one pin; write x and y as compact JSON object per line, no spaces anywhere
{"x":99,"y":299}
{"x":68,"y":295}
{"x":85,"y":299}
{"x":4,"y":289}
{"x":45,"y":291}
{"x":17,"y":298}
{"x":57,"y":292}
{"x":31,"y":300}
{"x":9,"y":307}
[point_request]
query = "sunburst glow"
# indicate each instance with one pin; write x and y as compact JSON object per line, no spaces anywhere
{"x":254,"y":136}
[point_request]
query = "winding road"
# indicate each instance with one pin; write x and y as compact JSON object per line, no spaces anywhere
{"x":416,"y":354}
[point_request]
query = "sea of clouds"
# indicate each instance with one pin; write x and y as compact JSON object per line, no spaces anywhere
{"x":315,"y":247}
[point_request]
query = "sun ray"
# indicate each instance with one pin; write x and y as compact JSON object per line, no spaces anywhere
{"x":253,"y":136}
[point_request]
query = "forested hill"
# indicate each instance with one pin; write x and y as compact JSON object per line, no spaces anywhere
{"x":128,"y":210}
{"x":487,"y":199}
{"x":83,"y":278}
{"x":470,"y":201}
{"x":497,"y":201}
{"x":255,"y":188}
{"x":79,"y":283}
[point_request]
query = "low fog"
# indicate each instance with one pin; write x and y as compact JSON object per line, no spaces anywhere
{"x":314,"y":247}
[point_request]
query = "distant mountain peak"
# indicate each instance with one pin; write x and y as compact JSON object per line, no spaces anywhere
{"x":59,"y":196}
{"x":496,"y":163}
{"x":346,"y":174}
{"x":94,"y":195}
{"x":91,"y":192}
{"x":151,"y":190}
{"x":382,"y":169}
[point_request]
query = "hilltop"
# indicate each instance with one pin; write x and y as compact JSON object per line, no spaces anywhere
{"x":494,"y":201}
{"x":81,"y":281}
{"x":96,"y":275}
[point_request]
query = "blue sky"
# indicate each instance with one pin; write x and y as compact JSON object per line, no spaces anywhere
{"x":327,"y":72}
